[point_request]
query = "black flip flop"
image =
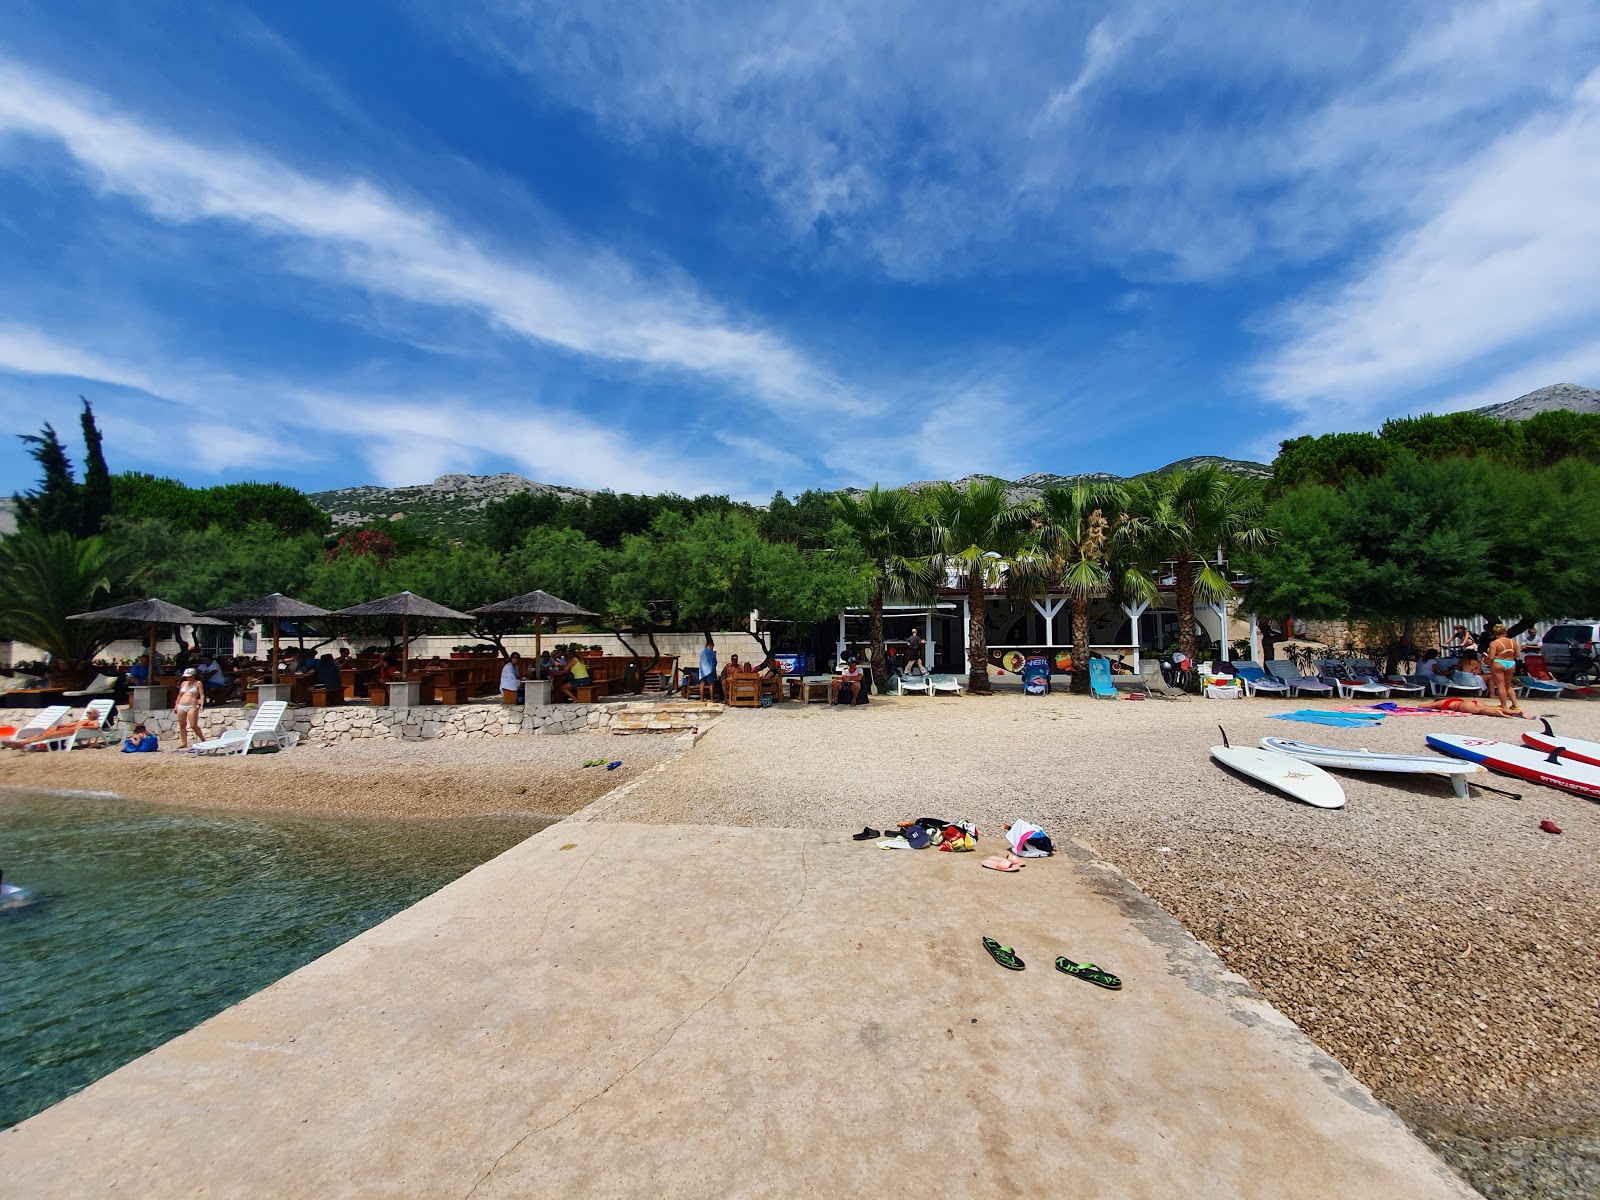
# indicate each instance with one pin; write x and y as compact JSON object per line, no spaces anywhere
{"x":867,"y":834}
{"x":1004,"y":955}
{"x":1090,"y":972}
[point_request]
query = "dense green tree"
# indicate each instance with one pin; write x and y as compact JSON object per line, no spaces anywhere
{"x":1430,"y":539}
{"x":208,"y":568}
{"x":46,"y":578}
{"x":890,"y":538}
{"x":1189,"y":517}
{"x":137,"y":496}
{"x":563,"y":562}
{"x":507,"y":522}
{"x":1333,"y":459}
{"x":96,"y":494}
{"x":804,"y":522}
{"x":981,"y":539}
{"x":55,"y":506}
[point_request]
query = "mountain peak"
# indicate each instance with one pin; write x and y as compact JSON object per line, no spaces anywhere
{"x":1557,"y":396}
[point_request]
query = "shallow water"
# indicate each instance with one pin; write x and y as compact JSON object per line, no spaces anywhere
{"x":145,"y":919}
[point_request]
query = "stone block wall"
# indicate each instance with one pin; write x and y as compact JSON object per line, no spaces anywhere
{"x":360,"y":722}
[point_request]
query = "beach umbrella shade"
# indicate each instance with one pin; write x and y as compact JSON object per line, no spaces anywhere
{"x":404,"y":605}
{"x":537,"y":604}
{"x":276,"y":608}
{"x":152,"y":612}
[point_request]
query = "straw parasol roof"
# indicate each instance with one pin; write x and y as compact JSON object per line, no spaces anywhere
{"x":275,"y":608}
{"x":149,"y":611}
{"x":402,"y":604}
{"x":268,"y":608}
{"x":536,"y":603}
{"x":152,"y":612}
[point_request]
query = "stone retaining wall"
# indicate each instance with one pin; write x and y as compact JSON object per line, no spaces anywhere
{"x":358,"y":722}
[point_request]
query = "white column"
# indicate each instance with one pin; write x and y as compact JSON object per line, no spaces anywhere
{"x":838,"y":654}
{"x":927,"y":643}
{"x":1048,"y":610}
{"x":1255,"y":643}
{"x":1135,"y":611}
{"x":1221,"y":609}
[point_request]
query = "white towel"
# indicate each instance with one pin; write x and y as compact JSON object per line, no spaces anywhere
{"x":1018,"y":834}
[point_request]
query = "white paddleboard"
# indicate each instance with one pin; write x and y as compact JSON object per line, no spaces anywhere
{"x":1290,"y":776}
{"x":1580,"y":777}
{"x":1576,"y":748}
{"x":1371,"y":760}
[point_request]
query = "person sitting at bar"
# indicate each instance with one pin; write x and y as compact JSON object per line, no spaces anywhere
{"x":327,"y":673}
{"x":575,"y":676}
{"x":216,"y":683}
{"x":139,"y":673}
{"x":511,"y":679}
{"x":389,"y":668}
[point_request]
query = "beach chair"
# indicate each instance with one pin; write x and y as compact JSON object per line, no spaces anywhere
{"x":1256,"y":681}
{"x":945,"y":683}
{"x":1347,"y":684}
{"x":1399,"y":683}
{"x":103,"y":685}
{"x":744,"y":691}
{"x":906,"y":684}
{"x":1285,"y":671}
{"x":263,"y":731}
{"x":47,"y":718}
{"x":1100,"y":686}
{"x":1466,"y":683}
{"x":1536,"y":679}
{"x":90,"y":728}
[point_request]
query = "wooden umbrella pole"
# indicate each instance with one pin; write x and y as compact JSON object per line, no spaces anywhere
{"x":538,"y":645}
{"x":150,"y":675}
{"x":405,"y":648}
{"x":274,"y":651}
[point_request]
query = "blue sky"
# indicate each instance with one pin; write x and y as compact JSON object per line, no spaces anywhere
{"x":714,"y":246}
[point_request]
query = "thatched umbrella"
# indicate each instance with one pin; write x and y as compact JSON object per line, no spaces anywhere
{"x":155,"y":612}
{"x":537,"y":604}
{"x":404,"y":605}
{"x":275,"y":608}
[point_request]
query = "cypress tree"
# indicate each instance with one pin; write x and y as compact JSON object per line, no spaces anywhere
{"x":54,"y":506}
{"x":96,"y":501}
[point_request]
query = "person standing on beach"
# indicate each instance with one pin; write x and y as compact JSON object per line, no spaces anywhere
{"x":1502,"y":665}
{"x":708,"y":669}
{"x":190,"y":700}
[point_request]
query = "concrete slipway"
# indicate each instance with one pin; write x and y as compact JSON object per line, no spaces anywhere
{"x":620,"y":1010}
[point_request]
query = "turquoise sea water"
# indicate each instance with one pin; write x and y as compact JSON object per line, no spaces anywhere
{"x":144,"y":920}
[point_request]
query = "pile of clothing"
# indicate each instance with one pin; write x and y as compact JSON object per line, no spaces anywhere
{"x":954,"y":836}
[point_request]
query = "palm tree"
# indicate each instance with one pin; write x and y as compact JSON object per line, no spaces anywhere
{"x":1187,"y":517}
{"x":982,"y":539}
{"x":46,"y":578}
{"x":895,"y":541}
{"x":1084,"y":534}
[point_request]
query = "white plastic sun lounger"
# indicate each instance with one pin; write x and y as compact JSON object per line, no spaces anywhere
{"x":47,"y":718}
{"x":263,"y":731}
{"x":906,"y":684}
{"x":1257,"y":682}
{"x":92,"y":729}
{"x":945,"y":683}
{"x":1285,"y":671}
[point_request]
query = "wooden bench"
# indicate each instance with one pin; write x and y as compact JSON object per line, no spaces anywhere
{"x":452,"y":693}
{"x":324,"y":697}
{"x":587,"y":693}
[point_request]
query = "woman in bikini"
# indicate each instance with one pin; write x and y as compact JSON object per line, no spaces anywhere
{"x":1472,"y":706}
{"x":1502,"y":664}
{"x":191,"y":699}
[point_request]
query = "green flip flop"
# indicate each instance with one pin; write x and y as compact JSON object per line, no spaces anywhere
{"x":1090,"y":972}
{"x":1004,"y":955}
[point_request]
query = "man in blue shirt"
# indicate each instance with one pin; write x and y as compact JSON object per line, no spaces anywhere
{"x":139,"y":673}
{"x":708,"y":669}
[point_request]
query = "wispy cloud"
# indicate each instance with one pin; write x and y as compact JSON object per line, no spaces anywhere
{"x":585,"y":301}
{"x":1503,"y":269}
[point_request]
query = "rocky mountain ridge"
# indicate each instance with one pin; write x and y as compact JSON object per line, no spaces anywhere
{"x":1546,"y":399}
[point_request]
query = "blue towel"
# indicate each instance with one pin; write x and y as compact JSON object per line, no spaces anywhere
{"x":1312,"y":716}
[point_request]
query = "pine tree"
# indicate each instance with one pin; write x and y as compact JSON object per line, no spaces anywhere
{"x":55,"y":506}
{"x":96,"y":498}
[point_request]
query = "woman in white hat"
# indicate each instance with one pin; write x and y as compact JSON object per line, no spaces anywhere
{"x":191,"y":699}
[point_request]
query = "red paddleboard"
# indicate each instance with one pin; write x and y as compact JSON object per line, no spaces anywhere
{"x":1573,"y":748}
{"x":1524,"y":762}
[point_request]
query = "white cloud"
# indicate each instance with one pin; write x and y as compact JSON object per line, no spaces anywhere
{"x":583,"y":301}
{"x":1162,"y":138}
{"x":1503,"y":268}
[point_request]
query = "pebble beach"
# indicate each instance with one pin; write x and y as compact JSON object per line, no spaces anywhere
{"x":1444,"y":950}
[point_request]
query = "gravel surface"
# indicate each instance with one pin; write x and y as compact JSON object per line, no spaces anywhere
{"x":1446,"y":951}
{"x":532,"y":774}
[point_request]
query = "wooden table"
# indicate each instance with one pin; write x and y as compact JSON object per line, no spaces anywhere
{"x":809,"y":687}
